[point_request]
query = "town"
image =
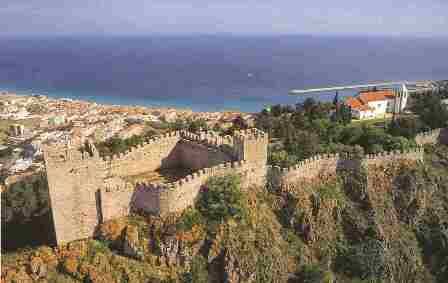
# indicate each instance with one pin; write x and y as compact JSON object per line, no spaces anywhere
{"x":27,"y":122}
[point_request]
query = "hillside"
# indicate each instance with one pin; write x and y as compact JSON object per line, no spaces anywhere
{"x":376,"y":224}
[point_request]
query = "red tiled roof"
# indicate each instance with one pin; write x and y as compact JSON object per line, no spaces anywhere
{"x":355,"y":103}
{"x":369,"y":96}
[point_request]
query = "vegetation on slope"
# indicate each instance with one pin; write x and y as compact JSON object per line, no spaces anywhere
{"x":321,"y":127}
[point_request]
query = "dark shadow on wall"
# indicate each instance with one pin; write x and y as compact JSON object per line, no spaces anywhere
{"x":443,"y":137}
{"x":145,"y":200}
{"x":173,"y":159}
{"x":26,"y":214}
{"x":37,"y":231}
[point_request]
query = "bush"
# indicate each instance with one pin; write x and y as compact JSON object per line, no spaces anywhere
{"x":407,"y":127}
{"x":198,"y":272}
{"x":295,"y":243}
{"x":116,"y":145}
{"x":281,"y":158}
{"x":313,"y":274}
{"x":189,"y":218}
{"x":366,"y":260}
{"x":331,"y":192}
{"x":221,"y":198}
{"x":431,"y":111}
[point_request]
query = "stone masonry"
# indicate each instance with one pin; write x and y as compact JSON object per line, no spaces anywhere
{"x":86,"y":190}
{"x":433,"y":137}
{"x":307,"y":170}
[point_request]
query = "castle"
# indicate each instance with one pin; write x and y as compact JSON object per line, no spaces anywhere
{"x":86,"y":190}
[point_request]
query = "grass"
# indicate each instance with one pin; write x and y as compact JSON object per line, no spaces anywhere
{"x":373,"y":122}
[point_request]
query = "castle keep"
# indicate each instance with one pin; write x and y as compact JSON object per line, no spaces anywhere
{"x":86,"y":190}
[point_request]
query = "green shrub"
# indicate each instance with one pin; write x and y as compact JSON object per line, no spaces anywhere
{"x":281,"y":158}
{"x":221,"y":198}
{"x":189,"y":218}
{"x":116,"y":145}
{"x":97,"y":247}
{"x":295,"y":244}
{"x":312,"y":274}
{"x":331,"y":192}
{"x":366,"y":260}
{"x":198,"y":272}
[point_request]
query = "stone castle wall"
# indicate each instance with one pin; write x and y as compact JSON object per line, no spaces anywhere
{"x":73,"y":190}
{"x":197,"y":156}
{"x":433,"y":137}
{"x":86,"y":189}
{"x":162,"y":199}
{"x":115,"y":199}
{"x":177,"y":196}
{"x":251,"y":145}
{"x":384,"y":158}
{"x":328,"y":165}
{"x":152,"y":155}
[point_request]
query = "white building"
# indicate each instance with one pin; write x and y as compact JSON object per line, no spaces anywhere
{"x":371,"y":104}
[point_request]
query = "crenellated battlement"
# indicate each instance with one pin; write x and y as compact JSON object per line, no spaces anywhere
{"x":434,"y":136}
{"x":329,"y":164}
{"x":251,"y":145}
{"x":208,"y":139}
{"x":152,"y":142}
{"x":252,"y":133}
{"x":430,"y":132}
{"x":413,"y":153}
{"x":115,"y":184}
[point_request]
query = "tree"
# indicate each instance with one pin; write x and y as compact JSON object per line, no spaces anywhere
{"x":299,"y":120}
{"x":178,"y":125}
{"x":277,"y":110}
{"x":345,"y":114}
{"x":281,"y":158}
{"x":308,"y":104}
{"x":265,"y":122}
{"x":351,"y":135}
{"x":431,"y":110}
{"x":221,"y":198}
{"x":198,"y":272}
{"x":407,"y":127}
{"x":336,"y":99}
{"x":373,"y":139}
{"x":303,"y":144}
{"x":197,"y":125}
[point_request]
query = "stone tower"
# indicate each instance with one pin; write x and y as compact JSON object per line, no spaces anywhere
{"x":73,"y":181}
{"x":251,"y":145}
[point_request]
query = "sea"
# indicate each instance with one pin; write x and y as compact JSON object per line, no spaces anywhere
{"x":211,"y":72}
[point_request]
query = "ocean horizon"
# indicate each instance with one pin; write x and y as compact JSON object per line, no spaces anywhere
{"x":210,"y":73}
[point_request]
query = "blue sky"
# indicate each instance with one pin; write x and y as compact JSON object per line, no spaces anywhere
{"x":378,"y":17}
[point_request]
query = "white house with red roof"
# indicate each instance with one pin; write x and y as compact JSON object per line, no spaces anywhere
{"x":371,"y":104}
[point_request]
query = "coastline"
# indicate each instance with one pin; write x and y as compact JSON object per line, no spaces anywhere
{"x":230,"y":104}
{"x":237,"y":105}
